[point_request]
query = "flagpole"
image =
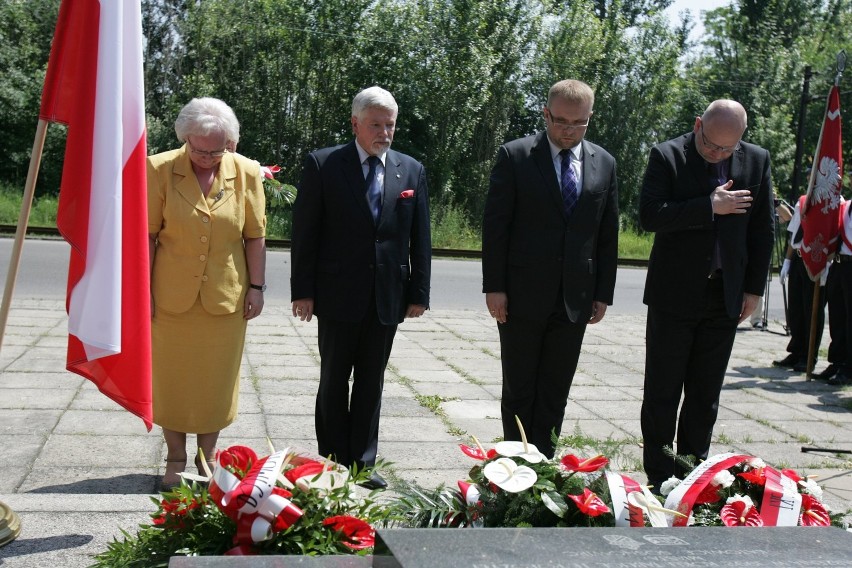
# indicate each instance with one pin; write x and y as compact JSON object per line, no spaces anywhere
{"x":23,"y":220}
{"x":10,"y":523}
{"x":815,"y":303}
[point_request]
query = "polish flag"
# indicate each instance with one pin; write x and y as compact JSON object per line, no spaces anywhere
{"x":821,"y":210}
{"x":94,"y":85}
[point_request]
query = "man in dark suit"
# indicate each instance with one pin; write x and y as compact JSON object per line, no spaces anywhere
{"x":549,"y":254}
{"x":708,"y":197}
{"x":361,"y":255}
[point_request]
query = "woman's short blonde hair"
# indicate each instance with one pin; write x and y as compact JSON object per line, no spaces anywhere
{"x":205,"y":116}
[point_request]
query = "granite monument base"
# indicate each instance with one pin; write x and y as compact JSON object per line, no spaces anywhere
{"x":342,"y":561}
{"x":709,"y":547}
{"x":699,"y":547}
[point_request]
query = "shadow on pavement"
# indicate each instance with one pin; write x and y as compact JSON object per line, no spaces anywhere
{"x":131,"y":483}
{"x":24,"y":546}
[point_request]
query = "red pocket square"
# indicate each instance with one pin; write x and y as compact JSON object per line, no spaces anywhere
{"x":407,"y":194}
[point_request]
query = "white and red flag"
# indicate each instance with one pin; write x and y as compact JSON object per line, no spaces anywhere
{"x":94,"y":84}
{"x":820,"y":214}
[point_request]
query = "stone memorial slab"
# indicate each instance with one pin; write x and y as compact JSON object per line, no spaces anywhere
{"x":699,"y":547}
{"x":342,"y":561}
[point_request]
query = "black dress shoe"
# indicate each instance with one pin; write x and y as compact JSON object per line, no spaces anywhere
{"x":800,"y":366}
{"x":375,"y":482}
{"x":789,"y":361}
{"x":827,"y":373}
{"x":841,"y":378}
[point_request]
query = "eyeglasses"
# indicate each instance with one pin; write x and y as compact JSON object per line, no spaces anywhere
{"x":207,"y":154}
{"x":716,"y":147}
{"x":562,"y":124}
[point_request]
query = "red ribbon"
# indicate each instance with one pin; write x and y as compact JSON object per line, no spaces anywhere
{"x":683,"y":498}
{"x":254,"y":503}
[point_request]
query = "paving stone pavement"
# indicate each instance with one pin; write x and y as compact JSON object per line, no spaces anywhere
{"x":76,"y":468}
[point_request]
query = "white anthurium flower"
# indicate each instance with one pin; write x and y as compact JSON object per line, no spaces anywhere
{"x":651,"y":507}
{"x":812,"y":487}
{"x":327,"y":481}
{"x":522,"y":449}
{"x":668,"y":486}
{"x":509,"y":476}
{"x":744,"y":498}
{"x":527,"y":452}
{"x":723,"y":479}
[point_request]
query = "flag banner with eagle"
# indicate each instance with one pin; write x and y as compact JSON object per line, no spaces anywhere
{"x":821,"y":210}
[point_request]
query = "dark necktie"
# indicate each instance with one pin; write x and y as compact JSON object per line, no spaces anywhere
{"x":718,"y":174}
{"x":718,"y":177}
{"x":568,"y":184}
{"x":374,"y":189}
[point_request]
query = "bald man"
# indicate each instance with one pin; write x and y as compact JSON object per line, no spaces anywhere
{"x":708,"y":197}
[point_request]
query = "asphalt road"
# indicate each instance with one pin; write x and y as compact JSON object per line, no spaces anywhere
{"x":456,"y":284}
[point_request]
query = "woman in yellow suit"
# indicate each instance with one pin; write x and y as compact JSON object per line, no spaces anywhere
{"x":207,"y":225}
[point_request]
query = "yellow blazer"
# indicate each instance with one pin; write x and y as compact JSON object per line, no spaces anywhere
{"x":200,"y":247}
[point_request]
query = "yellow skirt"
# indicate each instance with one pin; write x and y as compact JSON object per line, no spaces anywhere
{"x":196,"y":368}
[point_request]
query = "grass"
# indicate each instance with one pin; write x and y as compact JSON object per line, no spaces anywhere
{"x":430,"y":402}
{"x":451,"y":227}
{"x":42,"y":214}
{"x":633,"y":245}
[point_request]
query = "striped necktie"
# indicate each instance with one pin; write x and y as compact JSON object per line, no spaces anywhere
{"x":568,"y":183}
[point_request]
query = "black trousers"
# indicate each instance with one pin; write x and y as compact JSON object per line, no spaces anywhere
{"x":838,"y":293}
{"x":685,"y":354}
{"x":348,"y":427}
{"x":800,"y":298}
{"x":539,"y":359}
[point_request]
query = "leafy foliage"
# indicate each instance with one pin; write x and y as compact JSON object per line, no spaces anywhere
{"x":468,"y":75}
{"x":188,"y":522}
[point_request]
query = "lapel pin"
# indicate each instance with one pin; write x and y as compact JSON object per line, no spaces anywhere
{"x":219,"y":195}
{"x":397,"y":176}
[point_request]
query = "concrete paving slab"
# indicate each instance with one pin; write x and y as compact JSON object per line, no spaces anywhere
{"x":82,"y":453}
{"x":738,"y":430}
{"x":301,"y":387}
{"x":46,"y":398}
{"x":11,"y":478}
{"x":16,"y":421}
{"x":66,"y":539}
{"x":61,"y":450}
{"x":288,"y":404}
{"x":488,"y":429}
{"x":93,"y":480}
{"x":451,"y":391}
{"x":471,"y":409}
{"x":413,"y":429}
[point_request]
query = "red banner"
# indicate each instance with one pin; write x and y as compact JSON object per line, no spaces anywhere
{"x":820,"y":215}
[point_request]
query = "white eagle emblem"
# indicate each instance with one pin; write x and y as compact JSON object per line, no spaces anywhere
{"x":827,"y":184}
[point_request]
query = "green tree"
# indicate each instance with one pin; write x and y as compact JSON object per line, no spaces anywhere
{"x":755,"y":53}
{"x":26,"y":30}
{"x":635,"y":72}
{"x":455,"y":68}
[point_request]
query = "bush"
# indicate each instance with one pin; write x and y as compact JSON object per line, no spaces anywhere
{"x":451,"y":229}
{"x":42,"y":214}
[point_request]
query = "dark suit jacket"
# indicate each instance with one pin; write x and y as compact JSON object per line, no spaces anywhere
{"x":340,"y":256}
{"x":530,"y":249}
{"x":675,"y":204}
